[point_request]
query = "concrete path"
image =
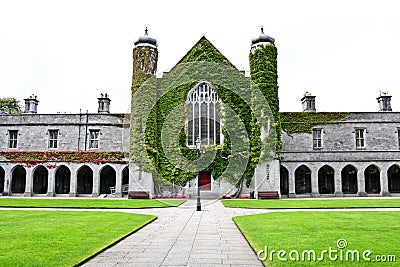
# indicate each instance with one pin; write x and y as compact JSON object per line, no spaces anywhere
{"x":183,"y":236}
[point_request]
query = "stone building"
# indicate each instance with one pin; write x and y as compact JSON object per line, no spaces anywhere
{"x":87,"y":154}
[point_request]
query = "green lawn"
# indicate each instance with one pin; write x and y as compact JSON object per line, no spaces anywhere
{"x":88,"y":203}
{"x":61,"y":238}
{"x":313,"y":203}
{"x":377,"y":231}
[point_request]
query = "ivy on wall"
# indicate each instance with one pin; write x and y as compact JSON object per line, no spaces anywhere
{"x":34,"y":157}
{"x":302,"y":122}
{"x":202,"y":51}
{"x":263,"y":71}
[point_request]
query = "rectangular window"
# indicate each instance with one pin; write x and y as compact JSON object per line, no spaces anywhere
{"x":94,"y":138}
{"x":317,"y":138}
{"x":12,"y":138}
{"x":360,"y":138}
{"x":53,"y":138}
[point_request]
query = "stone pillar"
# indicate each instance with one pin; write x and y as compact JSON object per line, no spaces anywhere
{"x":51,"y":182}
{"x":73,"y":182}
{"x":96,"y":182}
{"x":7,"y":182}
{"x":118,"y":181}
{"x":338,"y":184}
{"x":28,"y":182}
{"x":314,"y":183}
{"x":361,"y":183}
{"x":292,"y":183}
{"x":384,"y":183}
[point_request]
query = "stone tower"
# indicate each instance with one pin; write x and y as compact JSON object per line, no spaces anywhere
{"x":145,"y":57}
{"x":264,"y":74}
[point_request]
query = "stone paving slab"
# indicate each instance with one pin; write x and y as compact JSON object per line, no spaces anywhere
{"x":182,"y":236}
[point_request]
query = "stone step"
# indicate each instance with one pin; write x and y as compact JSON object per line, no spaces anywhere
{"x":203,"y":195}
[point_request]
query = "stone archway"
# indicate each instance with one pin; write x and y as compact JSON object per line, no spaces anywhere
{"x":284,"y":187}
{"x":107,"y":179}
{"x":372,"y":180}
{"x":303,"y":180}
{"x":18,"y":180}
{"x":63,"y":180}
{"x":349,"y":180}
{"x":85,"y":180}
{"x":393,"y":175}
{"x":125,"y":180}
{"x":2,"y":176}
{"x":40,"y":180}
{"x":326,"y":180}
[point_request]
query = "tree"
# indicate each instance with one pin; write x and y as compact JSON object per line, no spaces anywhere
{"x":10,"y":105}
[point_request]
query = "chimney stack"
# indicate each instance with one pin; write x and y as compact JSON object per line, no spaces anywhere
{"x":384,"y":101}
{"x":308,"y":102}
{"x":31,"y":104}
{"x":104,"y":103}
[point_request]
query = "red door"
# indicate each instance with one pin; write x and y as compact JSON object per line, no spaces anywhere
{"x":205,"y":181}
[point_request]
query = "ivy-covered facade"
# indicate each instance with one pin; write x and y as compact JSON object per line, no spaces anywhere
{"x":204,"y":123}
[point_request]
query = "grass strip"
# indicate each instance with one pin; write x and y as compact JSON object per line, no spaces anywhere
{"x":304,"y":232}
{"x":61,"y":238}
{"x":313,"y":203}
{"x":88,"y":203}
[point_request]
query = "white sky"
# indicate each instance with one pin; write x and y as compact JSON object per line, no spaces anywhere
{"x":68,"y":52}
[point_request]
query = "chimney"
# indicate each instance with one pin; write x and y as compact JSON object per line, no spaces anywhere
{"x":308,"y":102}
{"x":384,"y":101}
{"x":104,"y":103}
{"x":31,"y":104}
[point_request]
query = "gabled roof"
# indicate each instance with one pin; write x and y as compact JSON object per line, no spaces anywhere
{"x":204,"y":50}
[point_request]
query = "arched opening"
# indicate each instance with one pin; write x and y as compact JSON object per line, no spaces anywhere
{"x":40,"y":183}
{"x":2,"y":176}
{"x":284,"y":173}
{"x":125,"y":180}
{"x":85,"y":180}
{"x":349,"y":180}
{"x":107,"y":179}
{"x":63,"y":178}
{"x":372,"y":180}
{"x":203,"y":118}
{"x":18,"y":180}
{"x":303,"y":180}
{"x":326,"y":180}
{"x":394,"y":179}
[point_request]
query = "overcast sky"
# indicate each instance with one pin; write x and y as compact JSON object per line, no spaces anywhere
{"x":68,"y":52}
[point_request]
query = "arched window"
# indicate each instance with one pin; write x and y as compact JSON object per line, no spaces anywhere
{"x":326,"y":180}
{"x":349,"y":180}
{"x":107,"y":179}
{"x":303,"y":180}
{"x":63,"y":177}
{"x":203,"y":119}
{"x":284,"y":180}
{"x":372,"y":180}
{"x":85,"y":180}
{"x":40,"y":177}
{"x":394,"y":179}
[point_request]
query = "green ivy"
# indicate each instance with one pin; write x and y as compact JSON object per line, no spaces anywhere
{"x":302,"y":122}
{"x":264,"y":73}
{"x":202,"y":51}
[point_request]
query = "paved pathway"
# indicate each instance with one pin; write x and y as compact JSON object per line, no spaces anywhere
{"x":184,"y":237}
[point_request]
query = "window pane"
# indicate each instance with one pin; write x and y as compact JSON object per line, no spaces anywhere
{"x":13,"y":136}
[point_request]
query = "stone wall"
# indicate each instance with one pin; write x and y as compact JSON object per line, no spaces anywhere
{"x":73,"y":131}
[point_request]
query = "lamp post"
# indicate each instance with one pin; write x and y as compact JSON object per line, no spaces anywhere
{"x":198,"y":146}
